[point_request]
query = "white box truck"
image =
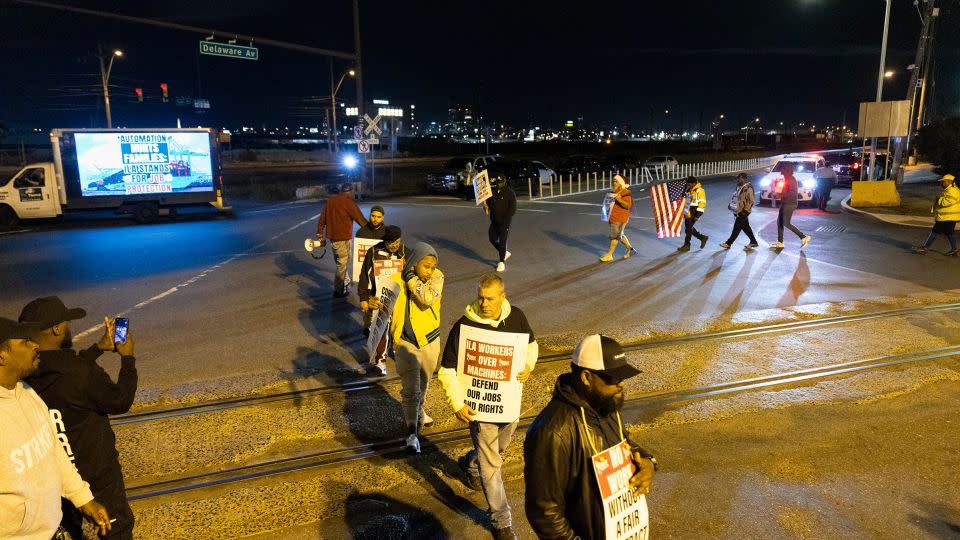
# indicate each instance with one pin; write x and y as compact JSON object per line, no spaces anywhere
{"x":142,"y":172}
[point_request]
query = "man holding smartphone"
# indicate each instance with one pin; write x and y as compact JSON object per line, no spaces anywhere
{"x":80,"y":395}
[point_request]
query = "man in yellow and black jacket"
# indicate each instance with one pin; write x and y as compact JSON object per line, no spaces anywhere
{"x":696,"y":204}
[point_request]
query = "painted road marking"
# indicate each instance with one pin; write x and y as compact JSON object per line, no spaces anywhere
{"x":16,"y":232}
{"x":199,"y":276}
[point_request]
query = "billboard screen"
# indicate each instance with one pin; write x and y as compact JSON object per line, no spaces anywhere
{"x":143,"y":163}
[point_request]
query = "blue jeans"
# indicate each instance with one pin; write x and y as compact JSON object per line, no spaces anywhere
{"x":489,"y":441}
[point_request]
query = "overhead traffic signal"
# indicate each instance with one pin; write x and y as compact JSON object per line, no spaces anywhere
{"x":139,"y":92}
{"x":163,"y":88}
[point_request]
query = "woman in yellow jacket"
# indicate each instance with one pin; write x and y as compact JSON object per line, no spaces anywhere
{"x":415,"y":327}
{"x":946,"y":214}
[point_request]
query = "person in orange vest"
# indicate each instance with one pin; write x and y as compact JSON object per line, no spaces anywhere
{"x":697,"y":203}
{"x":619,"y":216}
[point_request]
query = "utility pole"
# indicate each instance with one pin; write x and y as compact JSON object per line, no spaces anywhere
{"x":883,"y":67}
{"x":922,"y":61}
{"x":332,"y":132}
{"x":360,"y":103}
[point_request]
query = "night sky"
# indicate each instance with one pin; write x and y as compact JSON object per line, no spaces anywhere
{"x":519,"y":61}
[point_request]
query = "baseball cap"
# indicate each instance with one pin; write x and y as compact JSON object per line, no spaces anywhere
{"x":391,"y":233}
{"x":376,"y":208}
{"x":948,"y":177}
{"x":346,"y":186}
{"x":605,"y":355}
{"x":17,"y":330}
{"x":49,"y":311}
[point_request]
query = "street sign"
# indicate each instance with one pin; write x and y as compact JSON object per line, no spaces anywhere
{"x":373,"y":140}
{"x":363,"y":146}
{"x":357,"y":132}
{"x":230,"y":51}
{"x":372,"y":124}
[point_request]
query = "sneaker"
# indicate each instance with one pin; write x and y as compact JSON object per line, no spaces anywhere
{"x":919,"y":250}
{"x":804,"y":241}
{"x":471,"y":480}
{"x":379,"y":369}
{"x":685,"y":247}
{"x":703,"y":242}
{"x":752,"y":246}
{"x":425,"y":419}
{"x":413,"y":444}
{"x":777,"y":245}
{"x":953,"y":253}
{"x":501,"y":267}
{"x":506,"y":533}
{"x":725,"y":245}
{"x":630,"y":253}
{"x":507,"y":256}
{"x":606,"y":258}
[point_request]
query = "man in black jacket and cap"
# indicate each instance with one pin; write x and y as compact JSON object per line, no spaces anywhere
{"x":502,"y":205}
{"x":80,"y":395}
{"x":563,"y":497}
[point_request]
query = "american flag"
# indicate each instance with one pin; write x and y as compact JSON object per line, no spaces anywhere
{"x":668,"y":201}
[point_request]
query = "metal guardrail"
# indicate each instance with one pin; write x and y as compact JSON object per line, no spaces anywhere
{"x":602,"y":180}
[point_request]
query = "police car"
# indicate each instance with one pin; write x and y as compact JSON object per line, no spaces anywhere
{"x":805,"y":168}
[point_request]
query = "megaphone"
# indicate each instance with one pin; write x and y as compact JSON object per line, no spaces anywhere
{"x":312,"y":246}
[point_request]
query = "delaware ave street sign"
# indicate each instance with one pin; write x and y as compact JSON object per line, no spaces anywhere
{"x":230,"y":51}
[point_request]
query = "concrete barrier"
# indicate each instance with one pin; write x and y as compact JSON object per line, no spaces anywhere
{"x":874,"y":193}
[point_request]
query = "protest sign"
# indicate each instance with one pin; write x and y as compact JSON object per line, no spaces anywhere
{"x":388,"y":292}
{"x":383,"y":269}
{"x":359,"y":251}
{"x":625,"y":513}
{"x":481,"y":187}
{"x":606,"y":206}
{"x":487,"y":366}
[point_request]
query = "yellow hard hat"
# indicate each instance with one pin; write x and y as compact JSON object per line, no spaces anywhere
{"x":947,"y":177}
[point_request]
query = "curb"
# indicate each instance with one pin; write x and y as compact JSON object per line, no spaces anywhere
{"x":849,"y":209}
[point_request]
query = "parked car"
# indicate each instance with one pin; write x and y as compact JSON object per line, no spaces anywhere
{"x":883,"y":165}
{"x":449,"y":178}
{"x":620,"y":163}
{"x":805,"y":168}
{"x":579,"y":164}
{"x":846,"y":165}
{"x":538,"y":171}
{"x":663,"y":163}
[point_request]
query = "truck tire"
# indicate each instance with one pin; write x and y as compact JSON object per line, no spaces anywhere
{"x":145,"y":213}
{"x":8,"y":218}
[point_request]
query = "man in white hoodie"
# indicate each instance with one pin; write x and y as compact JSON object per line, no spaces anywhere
{"x":490,"y":311}
{"x":34,"y":468}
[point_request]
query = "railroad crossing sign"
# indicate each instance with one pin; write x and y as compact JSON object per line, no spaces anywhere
{"x":363,"y":146}
{"x":372,"y":124}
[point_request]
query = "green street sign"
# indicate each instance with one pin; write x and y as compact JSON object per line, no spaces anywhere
{"x":230,"y":51}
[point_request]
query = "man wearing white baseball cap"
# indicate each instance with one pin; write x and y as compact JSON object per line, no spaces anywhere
{"x":563,"y":498}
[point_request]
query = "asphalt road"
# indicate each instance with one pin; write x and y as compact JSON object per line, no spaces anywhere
{"x":224,"y":306}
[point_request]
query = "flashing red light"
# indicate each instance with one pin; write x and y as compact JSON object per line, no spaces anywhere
{"x":856,"y":164}
{"x":139,"y":92}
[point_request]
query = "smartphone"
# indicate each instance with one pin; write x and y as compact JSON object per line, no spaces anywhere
{"x":120,"y":325}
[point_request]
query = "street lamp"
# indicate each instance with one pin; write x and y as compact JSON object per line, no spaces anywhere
{"x":105,"y":80}
{"x":889,"y":73}
{"x":333,"y":102}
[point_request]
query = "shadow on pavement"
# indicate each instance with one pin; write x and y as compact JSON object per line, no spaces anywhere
{"x":445,"y":244}
{"x":799,"y":283}
{"x":939,"y":520}
{"x":594,"y":244}
{"x":378,"y":516}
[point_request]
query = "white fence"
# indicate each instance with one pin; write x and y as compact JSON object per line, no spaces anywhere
{"x":602,"y":180}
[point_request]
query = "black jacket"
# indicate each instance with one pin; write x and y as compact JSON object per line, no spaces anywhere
{"x":367,"y":231}
{"x":368,"y":282}
{"x":502,"y":205}
{"x":78,"y":391}
{"x":562,"y":497}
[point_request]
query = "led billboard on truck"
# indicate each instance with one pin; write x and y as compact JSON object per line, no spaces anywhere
{"x":132,"y":163}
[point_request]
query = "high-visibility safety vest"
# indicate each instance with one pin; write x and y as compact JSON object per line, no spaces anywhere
{"x":698,"y":200}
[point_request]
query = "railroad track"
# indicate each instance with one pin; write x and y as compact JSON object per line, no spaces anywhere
{"x":436,"y":440}
{"x":362,"y":385}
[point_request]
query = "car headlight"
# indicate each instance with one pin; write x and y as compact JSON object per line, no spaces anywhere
{"x":765,"y":182}
{"x":808,"y":184}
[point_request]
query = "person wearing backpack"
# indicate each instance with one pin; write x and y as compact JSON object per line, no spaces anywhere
{"x":619,"y":216}
{"x":741,"y":204}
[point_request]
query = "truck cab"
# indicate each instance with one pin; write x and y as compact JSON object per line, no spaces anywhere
{"x":31,"y":193}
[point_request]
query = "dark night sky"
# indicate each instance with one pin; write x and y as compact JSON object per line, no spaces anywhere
{"x":520,"y":60}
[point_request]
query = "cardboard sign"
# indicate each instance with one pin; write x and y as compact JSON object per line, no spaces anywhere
{"x":625,"y":514}
{"x":389,"y":290}
{"x":487,"y":366}
{"x":386,"y":268}
{"x":359,"y":250}
{"x":481,"y":187}
{"x":607,"y":206}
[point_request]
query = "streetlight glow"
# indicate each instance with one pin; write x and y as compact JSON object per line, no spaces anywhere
{"x":352,"y":73}
{"x":887,"y":74}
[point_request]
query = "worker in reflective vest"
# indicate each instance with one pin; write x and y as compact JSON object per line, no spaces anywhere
{"x":695,"y":208}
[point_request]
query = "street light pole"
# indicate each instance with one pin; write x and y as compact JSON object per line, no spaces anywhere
{"x":883,"y":69}
{"x":105,"y":80}
{"x":333,"y":104}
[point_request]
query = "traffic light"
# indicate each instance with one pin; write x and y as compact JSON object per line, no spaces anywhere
{"x":163,"y":88}
{"x":139,"y":92}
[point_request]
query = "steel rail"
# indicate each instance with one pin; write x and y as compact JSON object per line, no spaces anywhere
{"x":369,"y":384}
{"x":435,"y":440}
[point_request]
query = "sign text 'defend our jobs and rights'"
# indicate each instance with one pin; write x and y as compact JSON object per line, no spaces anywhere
{"x":229,"y":50}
